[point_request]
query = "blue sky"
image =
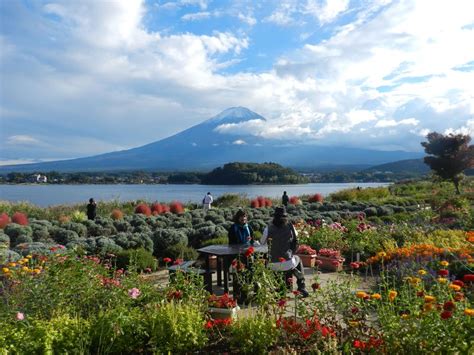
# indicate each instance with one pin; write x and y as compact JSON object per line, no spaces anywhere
{"x":79,"y":78}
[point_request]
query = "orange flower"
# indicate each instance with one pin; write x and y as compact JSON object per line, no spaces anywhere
{"x":429,"y":299}
{"x":454,"y":287}
{"x":392,"y":295}
{"x":376,"y":296}
{"x":361,"y":294}
{"x":469,"y":312}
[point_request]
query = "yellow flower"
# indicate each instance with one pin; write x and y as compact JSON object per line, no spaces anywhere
{"x":29,"y":256}
{"x":392,"y":295}
{"x":444,"y":263}
{"x":36,"y":271}
{"x":428,"y":307}
{"x":415,"y":280}
{"x":469,"y":312}
{"x":429,"y":299}
{"x":442,"y":280}
{"x":405,"y":316}
{"x":454,"y":287}
{"x":353,"y":323}
{"x":5,"y":270}
{"x":422,"y":272}
{"x":25,"y":268}
{"x":382,"y":254}
{"x":12,"y":264}
{"x":361,"y":294}
{"x":376,"y":296}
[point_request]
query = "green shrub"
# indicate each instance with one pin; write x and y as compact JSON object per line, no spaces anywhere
{"x":254,"y":335}
{"x":164,"y":238}
{"x":176,"y":328}
{"x":18,"y":234}
{"x":219,"y":240}
{"x":180,"y":251}
{"x":139,"y":259}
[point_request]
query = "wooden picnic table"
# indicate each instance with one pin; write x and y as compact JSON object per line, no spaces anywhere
{"x":224,"y":253}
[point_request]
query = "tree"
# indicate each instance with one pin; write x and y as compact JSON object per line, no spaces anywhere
{"x":449,"y":155}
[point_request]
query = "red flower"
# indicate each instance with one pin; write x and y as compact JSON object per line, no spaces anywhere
{"x":358,"y":344}
{"x":178,"y":262}
{"x":449,"y":306}
{"x":296,"y":293}
{"x":355,"y":265}
{"x":468,"y":278}
{"x":249,"y":251}
{"x":167,"y":260}
{"x":315,"y":286}
{"x":443,"y":272}
{"x":446,"y":314}
{"x":282,"y":303}
{"x":208,"y":324}
{"x":420,"y":294}
{"x":354,"y":310}
{"x":281,"y":260}
{"x":20,"y":218}
{"x":234,"y":263}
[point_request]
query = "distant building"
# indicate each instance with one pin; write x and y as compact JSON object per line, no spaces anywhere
{"x":38,"y":178}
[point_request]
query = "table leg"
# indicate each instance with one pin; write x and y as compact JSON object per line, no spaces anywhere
{"x":226,"y":274}
{"x":208,"y":276}
{"x":219,"y":271}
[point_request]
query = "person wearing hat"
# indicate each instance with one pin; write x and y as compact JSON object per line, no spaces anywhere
{"x":281,"y":237}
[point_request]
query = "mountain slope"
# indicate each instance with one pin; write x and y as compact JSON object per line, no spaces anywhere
{"x":201,"y":147}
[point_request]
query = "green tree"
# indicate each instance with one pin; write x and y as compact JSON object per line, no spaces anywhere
{"x":449,"y":155}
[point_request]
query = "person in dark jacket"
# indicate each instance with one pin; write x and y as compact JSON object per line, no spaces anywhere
{"x":240,"y":232}
{"x":285,"y":199}
{"x":91,"y":209}
{"x":281,"y":237}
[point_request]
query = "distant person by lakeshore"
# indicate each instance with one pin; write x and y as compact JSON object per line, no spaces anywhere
{"x":91,"y":209}
{"x":285,"y":199}
{"x":207,"y":202}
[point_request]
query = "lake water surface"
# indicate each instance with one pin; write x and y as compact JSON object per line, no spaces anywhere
{"x":47,"y":195}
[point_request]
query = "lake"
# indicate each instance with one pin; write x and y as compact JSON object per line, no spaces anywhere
{"x":48,"y":195}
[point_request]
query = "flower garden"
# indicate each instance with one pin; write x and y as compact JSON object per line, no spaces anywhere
{"x":404,"y":257}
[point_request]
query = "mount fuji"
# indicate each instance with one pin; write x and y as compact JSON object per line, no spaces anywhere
{"x":203,"y":147}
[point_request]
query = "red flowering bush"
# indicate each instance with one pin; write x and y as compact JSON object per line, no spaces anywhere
{"x":255,"y":203}
{"x":330,"y":253}
{"x":143,"y":209}
{"x":4,"y":220}
{"x":305,"y":250}
{"x":20,"y":218}
{"x":316,"y":198}
{"x":176,"y":207}
{"x":223,"y":301}
{"x":157,"y":209}
{"x":261,"y":202}
{"x":116,"y":214}
{"x":249,"y":252}
{"x":294,"y":200}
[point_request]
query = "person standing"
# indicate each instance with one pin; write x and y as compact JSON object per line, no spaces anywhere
{"x":285,"y":199}
{"x":281,"y":236}
{"x":91,"y":209}
{"x":207,"y":201}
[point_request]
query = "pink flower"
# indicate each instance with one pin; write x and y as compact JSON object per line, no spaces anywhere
{"x":134,"y":293}
{"x":20,"y":316}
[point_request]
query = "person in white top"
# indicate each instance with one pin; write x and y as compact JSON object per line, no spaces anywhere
{"x":207,"y":201}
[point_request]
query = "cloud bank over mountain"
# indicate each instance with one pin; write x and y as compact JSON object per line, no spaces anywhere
{"x":86,"y":77}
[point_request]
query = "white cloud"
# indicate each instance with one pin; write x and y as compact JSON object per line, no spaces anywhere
{"x":196,"y":16}
{"x":326,"y":10}
{"x":390,"y":74}
{"x":239,"y":142}
{"x":22,"y":140}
